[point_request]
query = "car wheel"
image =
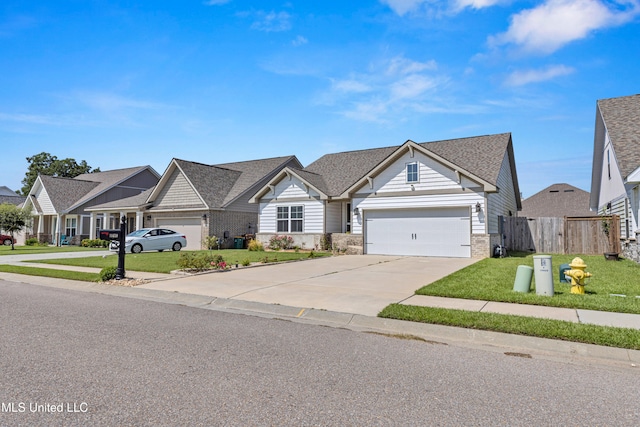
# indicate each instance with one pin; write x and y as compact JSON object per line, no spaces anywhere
{"x":176,"y":246}
{"x":6,"y":242}
{"x":136,"y":249}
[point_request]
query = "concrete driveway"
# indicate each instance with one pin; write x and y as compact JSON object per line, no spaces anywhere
{"x":359,"y":284}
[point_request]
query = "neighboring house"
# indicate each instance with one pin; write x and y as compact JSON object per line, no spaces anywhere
{"x":9,"y":196}
{"x":431,"y":199}
{"x":202,"y":200}
{"x":59,"y":205}
{"x":615,"y":178}
{"x":557,"y":201}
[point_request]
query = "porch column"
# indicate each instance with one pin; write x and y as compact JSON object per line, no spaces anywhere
{"x":139,"y":218}
{"x":57,"y":229}
{"x":106,"y":223}
{"x":92,"y":226}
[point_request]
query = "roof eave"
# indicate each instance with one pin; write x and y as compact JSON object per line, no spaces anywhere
{"x":409,"y":145}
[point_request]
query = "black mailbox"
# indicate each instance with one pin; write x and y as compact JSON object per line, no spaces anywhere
{"x":109,"y":234}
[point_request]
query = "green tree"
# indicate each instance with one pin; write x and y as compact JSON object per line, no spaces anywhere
{"x":13,"y":219}
{"x":46,"y":164}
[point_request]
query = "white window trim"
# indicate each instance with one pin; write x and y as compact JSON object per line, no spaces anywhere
{"x":406,"y":173}
{"x":289,"y":219}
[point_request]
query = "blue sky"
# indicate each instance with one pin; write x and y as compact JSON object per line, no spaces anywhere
{"x":129,"y":83}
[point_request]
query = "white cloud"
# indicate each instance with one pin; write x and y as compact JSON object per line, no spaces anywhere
{"x":351,"y":86}
{"x":271,"y":21}
{"x":475,"y":4}
{"x":412,"y":86}
{"x":523,"y":77}
{"x":299,"y":41}
{"x":551,"y":25}
{"x":401,"y":7}
{"x":388,"y":90}
{"x":403,"y":66}
{"x":215,"y":2}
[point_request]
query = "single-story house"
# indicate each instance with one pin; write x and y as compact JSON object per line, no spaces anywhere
{"x":615,"y":178}
{"x":10,"y":196}
{"x":557,"y":201}
{"x":201,"y":200}
{"x":59,"y":205}
{"x":443,"y":198}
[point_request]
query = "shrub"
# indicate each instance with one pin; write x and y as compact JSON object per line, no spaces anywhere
{"x":198,"y":261}
{"x":246,"y":262}
{"x":32,"y":242}
{"x":94,"y":243}
{"x":108,"y":273}
{"x":280,"y":242}
{"x":255,"y":246}
{"x":211,"y":242}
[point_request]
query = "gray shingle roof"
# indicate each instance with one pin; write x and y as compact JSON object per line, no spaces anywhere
{"x":9,"y":196}
{"x":622,"y":120}
{"x":213,"y":183}
{"x":557,"y":201}
{"x":479,"y":155}
{"x":339,"y":171}
{"x":106,"y":180}
{"x":253,"y":171}
{"x":65,"y":192}
{"x":220,"y":184}
{"x":127,"y":202}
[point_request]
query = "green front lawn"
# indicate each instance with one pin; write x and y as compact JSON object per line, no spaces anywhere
{"x":49,"y":272}
{"x":492,"y":280}
{"x":165,"y":262}
{"x":33,"y":250}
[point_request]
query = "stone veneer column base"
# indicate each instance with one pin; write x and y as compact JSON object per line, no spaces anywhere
{"x":481,"y":245}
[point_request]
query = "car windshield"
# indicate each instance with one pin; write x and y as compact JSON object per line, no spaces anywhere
{"x":138,"y":233}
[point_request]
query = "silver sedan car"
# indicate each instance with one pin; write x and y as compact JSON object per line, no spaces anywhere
{"x":152,"y":239}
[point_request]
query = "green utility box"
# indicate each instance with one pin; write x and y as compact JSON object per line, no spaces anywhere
{"x":238,"y":242}
{"x":562,"y":277}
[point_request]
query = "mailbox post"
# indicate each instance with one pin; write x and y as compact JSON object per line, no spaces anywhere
{"x":120,"y":273}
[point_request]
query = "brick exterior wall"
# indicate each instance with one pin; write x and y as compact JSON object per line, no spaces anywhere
{"x":236,"y":223}
{"x":217,"y":222}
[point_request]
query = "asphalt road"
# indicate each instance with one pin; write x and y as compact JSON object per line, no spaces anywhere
{"x":106,"y":360}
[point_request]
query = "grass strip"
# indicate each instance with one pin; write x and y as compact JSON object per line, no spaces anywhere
{"x":165,"y":262}
{"x":519,"y":325}
{"x":33,"y":250}
{"x":49,"y":272}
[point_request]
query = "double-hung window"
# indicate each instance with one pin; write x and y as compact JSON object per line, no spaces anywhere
{"x":290,"y":219}
{"x":71,"y":226}
{"x":412,"y":172}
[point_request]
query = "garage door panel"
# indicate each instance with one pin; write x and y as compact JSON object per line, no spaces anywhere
{"x":423,"y":232}
{"x":190,"y":227}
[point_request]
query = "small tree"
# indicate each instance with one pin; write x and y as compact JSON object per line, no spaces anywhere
{"x":13,"y":219}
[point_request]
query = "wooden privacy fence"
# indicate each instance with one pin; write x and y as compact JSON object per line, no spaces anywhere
{"x":568,"y":235}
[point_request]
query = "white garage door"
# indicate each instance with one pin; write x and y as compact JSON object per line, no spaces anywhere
{"x":190,"y":227}
{"x":442,"y":232}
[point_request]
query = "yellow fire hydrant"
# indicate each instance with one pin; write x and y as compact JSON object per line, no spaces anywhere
{"x":578,"y":275}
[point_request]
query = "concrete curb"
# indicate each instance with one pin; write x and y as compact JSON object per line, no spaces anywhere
{"x":541,"y":348}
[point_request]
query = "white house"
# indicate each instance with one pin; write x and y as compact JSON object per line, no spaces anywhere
{"x":615,"y":178}
{"x":440,"y":198}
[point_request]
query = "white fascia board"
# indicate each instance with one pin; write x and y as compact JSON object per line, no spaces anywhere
{"x":284,"y":173}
